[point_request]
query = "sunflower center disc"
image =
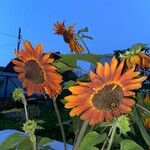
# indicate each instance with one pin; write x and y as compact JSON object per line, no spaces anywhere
{"x":108,"y":97}
{"x":34,"y":72}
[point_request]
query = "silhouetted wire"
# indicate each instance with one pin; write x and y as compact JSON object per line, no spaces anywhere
{"x":2,"y":46}
{"x":10,"y":35}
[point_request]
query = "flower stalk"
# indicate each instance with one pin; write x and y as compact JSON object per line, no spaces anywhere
{"x":81,"y":134}
{"x":60,"y":121}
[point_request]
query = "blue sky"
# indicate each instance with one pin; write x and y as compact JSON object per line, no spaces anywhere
{"x":114,"y":24}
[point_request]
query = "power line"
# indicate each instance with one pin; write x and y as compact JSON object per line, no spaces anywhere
{"x":10,"y":35}
{"x":2,"y":46}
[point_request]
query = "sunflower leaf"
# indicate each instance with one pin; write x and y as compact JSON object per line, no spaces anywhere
{"x":26,"y":143}
{"x":45,"y":140}
{"x":82,"y":30}
{"x":12,"y":141}
{"x":130,"y":145}
{"x":140,"y":124}
{"x":69,"y":61}
{"x":91,"y":139}
{"x":69,"y":83}
{"x":87,"y":36}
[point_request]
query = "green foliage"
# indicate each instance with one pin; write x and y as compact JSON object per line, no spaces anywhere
{"x":137,"y":119}
{"x":82,"y":30}
{"x":12,"y":141}
{"x":130,"y":145}
{"x":68,"y":84}
{"x":14,"y":110}
{"x":25,"y":144}
{"x":91,"y":139}
{"x":69,"y":61}
{"x":45,"y":140}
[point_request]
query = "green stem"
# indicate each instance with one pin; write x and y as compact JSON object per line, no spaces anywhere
{"x":34,"y":146}
{"x":81,"y":134}
{"x":84,"y":44}
{"x":103,"y":147}
{"x":60,"y":122}
{"x":112,"y":136}
{"x":24,"y":101}
{"x":140,"y":106}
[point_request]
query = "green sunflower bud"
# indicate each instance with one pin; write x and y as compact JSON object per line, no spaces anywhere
{"x":29,"y":127}
{"x":123,"y":124}
{"x":18,"y":94}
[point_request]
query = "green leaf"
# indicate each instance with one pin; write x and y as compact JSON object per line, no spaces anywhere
{"x":14,"y":110}
{"x":25,"y":144}
{"x":63,"y":101}
{"x":69,"y":61}
{"x":82,"y":30}
{"x":91,"y":139}
{"x":86,"y":36}
{"x":12,"y":141}
{"x":69,"y":83}
{"x":62,"y":66}
{"x":45,"y":140}
{"x":140,"y":124}
{"x":130,"y":145}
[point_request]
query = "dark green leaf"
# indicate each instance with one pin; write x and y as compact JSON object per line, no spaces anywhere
{"x":130,"y":145}
{"x":140,"y":124}
{"x":91,"y":139}
{"x":69,"y":83}
{"x":45,"y":140}
{"x":82,"y":30}
{"x":25,"y":144}
{"x":86,"y":36}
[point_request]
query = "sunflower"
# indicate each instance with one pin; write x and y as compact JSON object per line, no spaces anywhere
{"x":147,"y":122}
{"x":36,"y":72}
{"x":106,"y":95}
{"x":69,"y":36}
{"x":136,"y":57}
{"x":147,"y":98}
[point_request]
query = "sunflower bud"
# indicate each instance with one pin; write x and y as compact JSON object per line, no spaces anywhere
{"x":123,"y":124}
{"x":18,"y":94}
{"x":29,"y":127}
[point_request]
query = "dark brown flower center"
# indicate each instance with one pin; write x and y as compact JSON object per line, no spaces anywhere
{"x":108,"y":97}
{"x":34,"y":72}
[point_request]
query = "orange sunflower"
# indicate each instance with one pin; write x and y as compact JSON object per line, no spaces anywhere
{"x":106,"y":95}
{"x":69,"y":36}
{"x":36,"y":72}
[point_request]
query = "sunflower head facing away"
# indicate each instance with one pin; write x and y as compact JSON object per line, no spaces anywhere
{"x":69,"y":36}
{"x":136,"y":57}
{"x":106,"y":95}
{"x":147,"y":122}
{"x":36,"y":72}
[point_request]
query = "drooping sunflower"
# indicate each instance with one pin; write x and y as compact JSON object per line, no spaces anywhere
{"x":147,"y":122}
{"x":69,"y":36}
{"x":136,"y":57}
{"x":106,"y":95}
{"x":36,"y":72}
{"x":147,"y":98}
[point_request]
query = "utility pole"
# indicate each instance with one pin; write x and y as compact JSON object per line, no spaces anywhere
{"x":19,"y":39}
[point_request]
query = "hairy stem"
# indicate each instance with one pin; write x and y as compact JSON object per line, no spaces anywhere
{"x":24,"y":101}
{"x":81,"y":134}
{"x":112,"y":136}
{"x":60,"y":122}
